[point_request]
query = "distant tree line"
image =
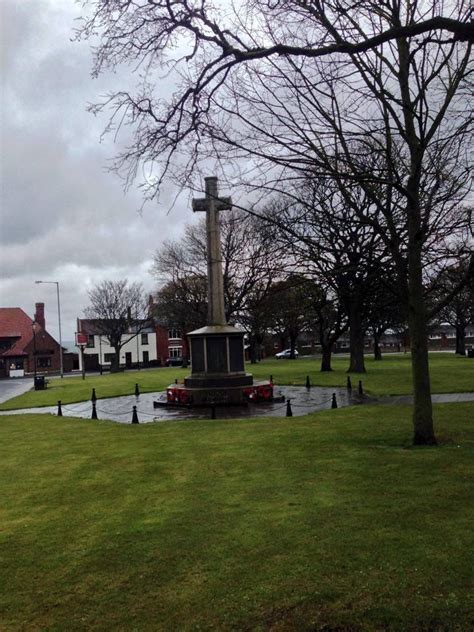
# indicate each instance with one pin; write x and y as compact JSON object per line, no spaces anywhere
{"x":329,"y":277}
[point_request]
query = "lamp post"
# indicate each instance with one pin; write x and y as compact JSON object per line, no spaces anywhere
{"x":61,"y":366}
{"x":138,"y":344}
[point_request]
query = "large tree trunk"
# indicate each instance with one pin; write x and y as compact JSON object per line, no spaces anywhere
{"x":460,"y":340}
{"x":417,"y":322}
{"x":377,"y":352}
{"x":253,"y":350}
{"x":423,"y":431}
{"x":326,"y":359}
{"x":356,"y":340}
{"x":292,"y":346}
{"x":282,"y":343}
{"x":115,"y":364}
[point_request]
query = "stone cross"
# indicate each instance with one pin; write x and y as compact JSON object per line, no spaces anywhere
{"x":212,"y":204}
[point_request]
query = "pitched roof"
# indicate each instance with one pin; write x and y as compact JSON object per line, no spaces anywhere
{"x":91,"y":326}
{"x":14,"y":323}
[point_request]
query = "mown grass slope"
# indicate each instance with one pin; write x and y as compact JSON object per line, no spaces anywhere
{"x":330,"y":521}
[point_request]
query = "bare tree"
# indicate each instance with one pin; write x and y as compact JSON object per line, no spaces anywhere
{"x":312,"y":88}
{"x":257,"y":318}
{"x":290,"y":302}
{"x":204,"y":47}
{"x":119,"y":311}
{"x":330,"y":242}
{"x":459,"y":311}
{"x":182,"y":303}
{"x":384,"y":311}
{"x":249,"y":258}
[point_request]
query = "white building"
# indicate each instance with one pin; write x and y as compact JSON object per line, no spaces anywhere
{"x":137,"y":351}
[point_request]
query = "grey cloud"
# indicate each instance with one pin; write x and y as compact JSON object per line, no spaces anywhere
{"x":63,"y":217}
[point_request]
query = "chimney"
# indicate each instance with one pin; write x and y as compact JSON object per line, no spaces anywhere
{"x":39,"y":315}
{"x":151,"y":307}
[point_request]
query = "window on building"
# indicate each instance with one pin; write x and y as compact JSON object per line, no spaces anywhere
{"x":174,"y":333}
{"x":43,"y":363}
{"x":90,"y":342}
{"x":109,"y":357}
{"x":175,"y":352}
{"x":144,"y":339}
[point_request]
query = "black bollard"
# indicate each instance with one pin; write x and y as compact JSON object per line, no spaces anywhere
{"x":271,"y":379}
{"x":176,"y":381}
{"x":60,"y":411}
{"x":289,"y":412}
{"x":308,"y":383}
{"x":213,"y":411}
{"x":334,"y":401}
{"x":361,"y":390}
{"x":137,"y":391}
{"x":135,"y":416}
{"x":93,"y":396}
{"x":94,"y":411}
{"x":349,"y":383}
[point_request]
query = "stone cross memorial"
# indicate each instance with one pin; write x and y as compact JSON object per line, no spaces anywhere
{"x":211,"y":205}
{"x":217,"y":350}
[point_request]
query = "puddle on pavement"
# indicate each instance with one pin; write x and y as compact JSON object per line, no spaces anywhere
{"x":303,"y":400}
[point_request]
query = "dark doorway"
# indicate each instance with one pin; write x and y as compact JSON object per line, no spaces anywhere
{"x":128,"y":359}
{"x":91,"y":361}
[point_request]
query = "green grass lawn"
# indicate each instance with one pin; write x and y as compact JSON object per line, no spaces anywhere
{"x":391,"y":376}
{"x":325,"y":522}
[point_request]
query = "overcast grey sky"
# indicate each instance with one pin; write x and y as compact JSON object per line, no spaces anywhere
{"x":63,"y":217}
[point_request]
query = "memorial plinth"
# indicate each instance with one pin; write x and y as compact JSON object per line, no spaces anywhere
{"x":217,"y":366}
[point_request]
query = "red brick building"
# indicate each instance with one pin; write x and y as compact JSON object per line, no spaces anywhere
{"x":171,"y":346}
{"x":22,"y":340}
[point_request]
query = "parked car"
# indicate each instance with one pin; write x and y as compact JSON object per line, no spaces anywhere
{"x":286,"y":354}
{"x":174,"y":362}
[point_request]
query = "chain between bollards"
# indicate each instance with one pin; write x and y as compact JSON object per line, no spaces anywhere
{"x":60,"y":410}
{"x":135,"y":416}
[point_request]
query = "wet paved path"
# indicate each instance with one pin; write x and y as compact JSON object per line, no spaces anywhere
{"x":14,"y":386}
{"x":303,"y":401}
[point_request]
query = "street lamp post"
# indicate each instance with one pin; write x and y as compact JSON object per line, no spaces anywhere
{"x":61,"y":365}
